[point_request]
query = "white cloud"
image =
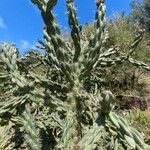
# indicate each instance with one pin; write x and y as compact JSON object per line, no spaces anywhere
{"x":25,"y":45}
{"x":2,"y":24}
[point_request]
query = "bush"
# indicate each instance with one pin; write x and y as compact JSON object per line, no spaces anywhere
{"x":141,"y":13}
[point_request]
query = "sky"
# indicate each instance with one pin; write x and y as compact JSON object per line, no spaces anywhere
{"x":21,"y":23}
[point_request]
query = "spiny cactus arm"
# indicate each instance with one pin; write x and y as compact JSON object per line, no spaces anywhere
{"x":117,"y":61}
{"x":108,"y":53}
{"x":72,"y":130}
{"x":104,"y":57}
{"x":31,"y":133}
{"x":45,"y":4}
{"x":59,"y":62}
{"x":133,"y":138}
{"x":92,"y":137}
{"x":125,"y":57}
{"x":12,"y":105}
{"x":36,"y":65}
{"x":50,"y":49}
{"x":139,"y":64}
{"x":9,"y":55}
{"x":34,"y":95}
{"x":75,"y":30}
{"x":52,"y":36}
{"x":97,"y":132}
{"x":136,"y":42}
{"x":120,"y":127}
{"x":51,"y":85}
{"x":96,"y":42}
{"x":102,"y":61}
{"x":51,"y":27}
{"x":57,"y":55}
{"x":99,"y":24}
{"x":67,"y":142}
{"x":100,"y":35}
{"x":47,"y":118}
{"x":26,"y":91}
{"x":47,"y":99}
{"x":4,"y":138}
{"x":109,"y":62}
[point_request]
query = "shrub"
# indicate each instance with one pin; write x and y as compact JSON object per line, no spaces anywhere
{"x":141,"y":13}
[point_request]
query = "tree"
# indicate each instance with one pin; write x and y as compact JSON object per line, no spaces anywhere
{"x":141,"y":13}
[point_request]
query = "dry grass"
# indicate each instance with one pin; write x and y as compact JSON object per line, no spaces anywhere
{"x":144,"y":89}
{"x":141,"y":121}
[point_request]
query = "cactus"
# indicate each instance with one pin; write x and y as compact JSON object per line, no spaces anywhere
{"x":54,"y":109}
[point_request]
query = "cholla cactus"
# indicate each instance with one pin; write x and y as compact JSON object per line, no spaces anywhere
{"x":55,"y":110}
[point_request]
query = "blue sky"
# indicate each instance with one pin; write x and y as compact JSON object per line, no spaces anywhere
{"x":20,"y":21}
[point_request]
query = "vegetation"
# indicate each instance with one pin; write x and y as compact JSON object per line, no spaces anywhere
{"x":66,"y":105}
{"x":125,"y":78}
{"x":141,"y":121}
{"x":141,"y":13}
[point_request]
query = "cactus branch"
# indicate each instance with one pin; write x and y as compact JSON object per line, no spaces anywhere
{"x":75,"y":30}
